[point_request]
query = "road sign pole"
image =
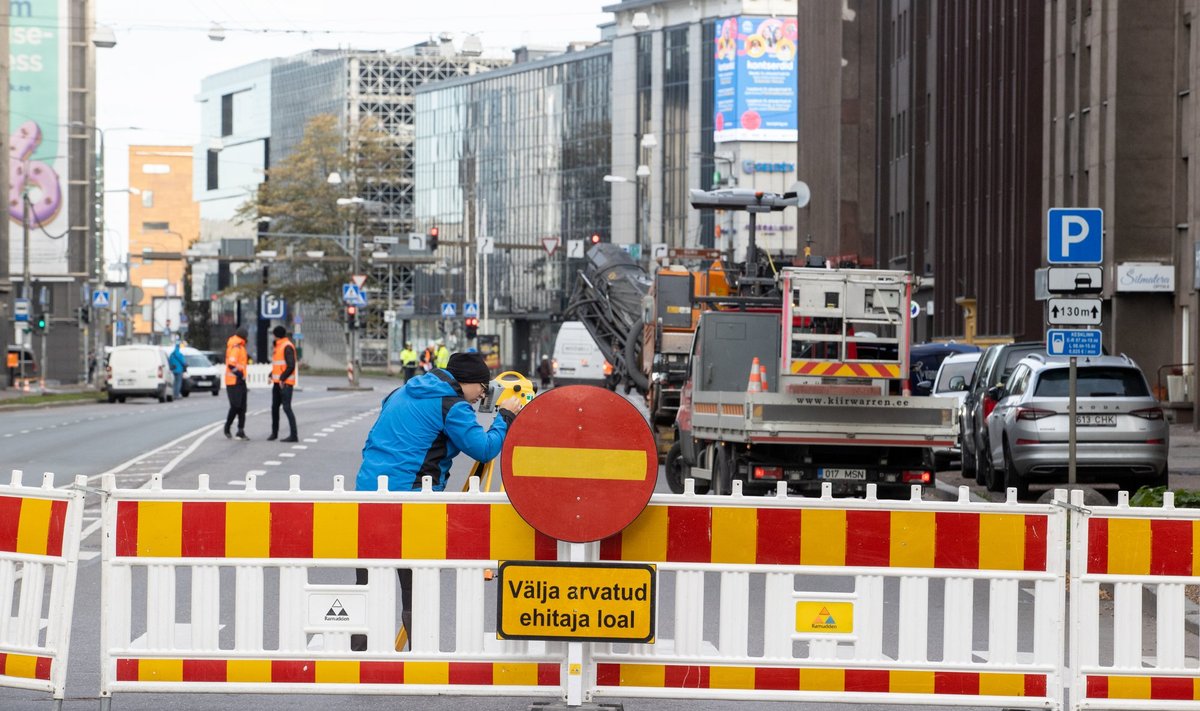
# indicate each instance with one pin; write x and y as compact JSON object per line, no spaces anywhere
{"x":1071,"y":409}
{"x":576,"y":553}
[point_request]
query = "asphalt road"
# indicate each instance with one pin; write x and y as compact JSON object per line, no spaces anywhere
{"x":183,"y":440}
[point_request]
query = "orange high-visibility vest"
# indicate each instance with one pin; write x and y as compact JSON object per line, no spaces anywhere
{"x":279,"y":361}
{"x":235,"y":359}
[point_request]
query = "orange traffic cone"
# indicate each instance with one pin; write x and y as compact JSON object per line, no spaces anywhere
{"x":762,"y":370}
{"x":755,"y":384}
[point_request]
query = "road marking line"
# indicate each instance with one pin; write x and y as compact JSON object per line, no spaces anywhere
{"x":300,"y":446}
{"x":322,"y":434}
{"x":310,"y":439}
{"x":272,"y":463}
{"x":256,"y":472}
{"x":286,"y":454}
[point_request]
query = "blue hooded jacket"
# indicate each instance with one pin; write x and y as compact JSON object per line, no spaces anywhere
{"x":422,"y":427}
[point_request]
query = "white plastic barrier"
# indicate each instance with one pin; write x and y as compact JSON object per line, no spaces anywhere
{"x":843,"y":594}
{"x":1127,"y":565}
{"x":774,"y":598}
{"x":269,"y":578}
{"x":258,"y":376}
{"x":39,"y":558}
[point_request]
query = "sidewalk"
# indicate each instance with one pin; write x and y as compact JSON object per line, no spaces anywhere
{"x":1184,"y":456}
{"x":52,"y":388}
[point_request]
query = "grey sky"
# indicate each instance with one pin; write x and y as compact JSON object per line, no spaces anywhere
{"x":150,"y":79}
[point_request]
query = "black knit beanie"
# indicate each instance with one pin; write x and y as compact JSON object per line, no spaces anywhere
{"x":469,"y":368}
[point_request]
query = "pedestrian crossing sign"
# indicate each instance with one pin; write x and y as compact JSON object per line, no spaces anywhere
{"x":449,"y":309}
{"x":100,"y":299}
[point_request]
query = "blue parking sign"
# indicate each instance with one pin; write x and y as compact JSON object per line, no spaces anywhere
{"x":1075,"y":235}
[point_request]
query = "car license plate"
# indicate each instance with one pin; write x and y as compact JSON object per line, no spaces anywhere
{"x":1096,"y":420}
{"x":124,"y":381}
{"x":845,"y":474}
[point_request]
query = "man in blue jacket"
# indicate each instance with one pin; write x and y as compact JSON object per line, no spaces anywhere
{"x":427,"y":422}
{"x":423,"y":426}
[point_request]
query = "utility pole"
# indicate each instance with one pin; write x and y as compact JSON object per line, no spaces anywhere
{"x":353,"y":365}
{"x":26,"y":274}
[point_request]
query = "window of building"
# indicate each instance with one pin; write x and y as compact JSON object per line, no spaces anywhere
{"x":147,"y":198}
{"x":156,"y":226}
{"x":211,"y":168}
{"x":674,"y":144}
{"x":227,"y":115}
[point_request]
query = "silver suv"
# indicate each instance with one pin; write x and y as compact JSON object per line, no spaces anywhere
{"x":1121,"y":435}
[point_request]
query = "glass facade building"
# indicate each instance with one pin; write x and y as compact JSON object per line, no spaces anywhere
{"x":514,"y":158}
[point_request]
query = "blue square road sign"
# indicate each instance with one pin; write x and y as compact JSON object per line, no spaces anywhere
{"x":1081,"y":342}
{"x":1075,"y":235}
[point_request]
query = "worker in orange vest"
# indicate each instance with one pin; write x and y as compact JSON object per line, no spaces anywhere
{"x":283,"y":381}
{"x":235,"y":381}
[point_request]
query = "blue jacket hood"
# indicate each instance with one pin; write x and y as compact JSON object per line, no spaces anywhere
{"x":427,"y":386}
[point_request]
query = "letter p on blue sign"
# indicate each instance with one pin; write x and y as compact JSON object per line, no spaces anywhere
{"x":1075,"y":235}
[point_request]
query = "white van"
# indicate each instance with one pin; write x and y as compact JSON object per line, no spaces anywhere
{"x":138,"y":371}
{"x":577,"y":358}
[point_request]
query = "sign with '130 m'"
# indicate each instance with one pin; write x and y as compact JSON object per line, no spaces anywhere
{"x":584,"y":602}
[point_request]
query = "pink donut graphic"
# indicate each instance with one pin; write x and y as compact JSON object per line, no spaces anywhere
{"x":45,"y":193}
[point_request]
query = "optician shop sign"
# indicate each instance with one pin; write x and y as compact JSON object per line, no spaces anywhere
{"x":1133,"y":276}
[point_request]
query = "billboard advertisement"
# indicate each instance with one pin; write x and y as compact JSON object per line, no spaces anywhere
{"x":755,"y":81}
{"x":38,"y":140}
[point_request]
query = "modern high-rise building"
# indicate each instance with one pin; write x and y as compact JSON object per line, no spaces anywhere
{"x":510,"y":168}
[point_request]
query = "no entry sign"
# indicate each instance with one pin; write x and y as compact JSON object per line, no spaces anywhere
{"x":579,"y":463}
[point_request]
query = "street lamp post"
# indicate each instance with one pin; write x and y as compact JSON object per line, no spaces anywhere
{"x":642,"y":177}
{"x":352,"y":357}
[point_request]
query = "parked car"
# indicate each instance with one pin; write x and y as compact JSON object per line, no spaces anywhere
{"x":1121,"y":434}
{"x":138,"y":371}
{"x":993,"y":368}
{"x":953,"y":379}
{"x":925,"y":359}
{"x":201,"y":373}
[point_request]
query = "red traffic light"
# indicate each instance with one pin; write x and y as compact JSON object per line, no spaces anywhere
{"x":351,"y":310}
{"x":433,"y":232}
{"x":595,"y":238}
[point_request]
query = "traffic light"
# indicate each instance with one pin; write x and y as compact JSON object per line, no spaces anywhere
{"x":595,"y":238}
{"x":432,"y":242}
{"x":472,"y":326}
{"x":352,"y":317}
{"x":39,"y":323}
{"x":84,"y":314}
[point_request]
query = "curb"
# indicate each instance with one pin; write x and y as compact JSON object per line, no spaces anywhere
{"x":6,"y":407}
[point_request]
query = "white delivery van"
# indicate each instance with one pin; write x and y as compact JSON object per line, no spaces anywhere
{"x":138,"y":371}
{"x":577,"y":358}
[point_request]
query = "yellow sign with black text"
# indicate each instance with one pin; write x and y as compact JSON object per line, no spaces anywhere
{"x":585,"y":602}
{"x":824,"y":617}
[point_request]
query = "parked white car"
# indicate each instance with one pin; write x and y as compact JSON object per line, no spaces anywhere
{"x":953,"y":380}
{"x":201,"y":373}
{"x":137,"y":371}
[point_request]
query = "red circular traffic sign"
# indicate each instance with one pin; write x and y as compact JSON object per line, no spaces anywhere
{"x":579,"y":463}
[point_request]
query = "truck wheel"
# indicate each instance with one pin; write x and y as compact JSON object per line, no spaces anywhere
{"x":675,"y":469}
{"x":722,"y":469}
{"x":111,"y":398}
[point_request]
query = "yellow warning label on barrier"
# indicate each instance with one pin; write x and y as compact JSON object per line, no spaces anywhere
{"x":587,"y":602}
{"x":824,"y":617}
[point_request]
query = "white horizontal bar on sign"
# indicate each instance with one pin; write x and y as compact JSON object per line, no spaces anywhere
{"x":329,"y":688}
{"x":1020,"y":576}
{"x":816,"y":637}
{"x":255,"y":563}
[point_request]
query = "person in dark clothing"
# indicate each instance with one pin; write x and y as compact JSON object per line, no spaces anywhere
{"x":283,"y":382}
{"x":236,"y":361}
{"x":421,"y":428}
{"x":545,"y":372}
